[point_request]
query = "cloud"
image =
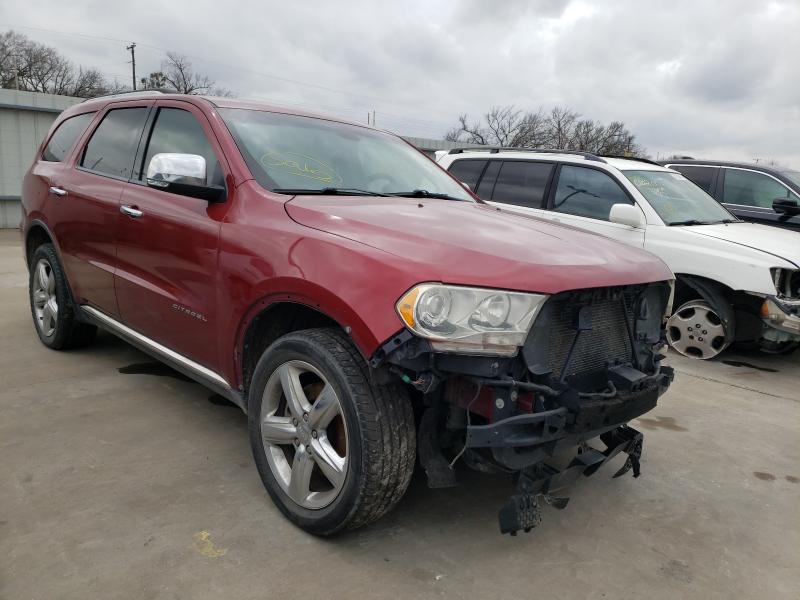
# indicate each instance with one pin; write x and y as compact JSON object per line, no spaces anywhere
{"x":715,"y":78}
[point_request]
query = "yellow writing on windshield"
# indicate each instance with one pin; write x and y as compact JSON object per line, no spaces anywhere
{"x":300,"y":166}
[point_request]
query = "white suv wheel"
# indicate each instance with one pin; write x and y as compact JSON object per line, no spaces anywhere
{"x":695,"y":330}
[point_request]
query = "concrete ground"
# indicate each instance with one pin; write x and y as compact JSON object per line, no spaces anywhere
{"x":118,"y":479}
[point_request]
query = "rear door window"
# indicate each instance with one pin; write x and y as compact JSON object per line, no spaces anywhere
{"x":178,"y":131}
{"x":112,"y":148}
{"x":486,"y":185}
{"x":748,"y":188}
{"x":522,"y":183}
{"x":587,"y":193}
{"x":468,"y":171}
{"x":702,"y":177}
{"x":65,"y":137}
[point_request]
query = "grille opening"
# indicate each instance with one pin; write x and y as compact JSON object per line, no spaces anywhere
{"x":606,"y":342}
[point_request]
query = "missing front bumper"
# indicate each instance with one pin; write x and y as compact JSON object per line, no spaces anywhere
{"x":523,"y":440}
{"x":539,"y":483}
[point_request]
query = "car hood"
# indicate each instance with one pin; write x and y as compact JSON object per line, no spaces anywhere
{"x":476,"y":244}
{"x":778,"y":242}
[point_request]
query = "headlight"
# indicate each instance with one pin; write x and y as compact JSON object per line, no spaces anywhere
{"x":469,"y":320}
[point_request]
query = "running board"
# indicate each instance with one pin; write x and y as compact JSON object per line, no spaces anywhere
{"x":180,"y":363}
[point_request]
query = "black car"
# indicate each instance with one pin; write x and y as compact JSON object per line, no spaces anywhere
{"x":769,"y":195}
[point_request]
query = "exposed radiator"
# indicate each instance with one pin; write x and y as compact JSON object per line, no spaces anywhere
{"x":606,"y":341}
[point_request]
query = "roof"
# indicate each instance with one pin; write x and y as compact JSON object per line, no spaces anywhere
{"x":631,"y":164}
{"x":721,"y":163}
{"x":623,"y":164}
{"x":216,"y":101}
{"x":779,"y":174}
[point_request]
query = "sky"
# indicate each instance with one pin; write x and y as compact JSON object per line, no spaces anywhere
{"x":712,"y":79}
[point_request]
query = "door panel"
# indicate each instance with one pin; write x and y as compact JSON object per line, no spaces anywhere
{"x":166,"y":275}
{"x":84,"y":218}
{"x":166,"y":280}
{"x":86,"y":225}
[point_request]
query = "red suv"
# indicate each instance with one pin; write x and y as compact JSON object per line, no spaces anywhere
{"x":357,"y":302}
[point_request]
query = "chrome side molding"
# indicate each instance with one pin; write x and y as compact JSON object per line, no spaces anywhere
{"x":188,"y":367}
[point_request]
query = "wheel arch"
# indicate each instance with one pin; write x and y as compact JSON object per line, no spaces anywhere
{"x":272,"y":319}
{"x":37,"y":234}
{"x":718,"y":295}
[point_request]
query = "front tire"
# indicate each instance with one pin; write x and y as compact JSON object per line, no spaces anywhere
{"x":54,"y":314}
{"x":334,"y":450}
{"x":697,"y":331}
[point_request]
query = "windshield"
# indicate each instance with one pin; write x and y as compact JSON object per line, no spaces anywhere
{"x":791,"y":175}
{"x":305,"y":154}
{"x":677,"y":200}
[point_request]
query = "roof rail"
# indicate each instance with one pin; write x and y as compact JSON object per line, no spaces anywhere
{"x":129,"y":93}
{"x":636,"y":158}
{"x":497,"y":149}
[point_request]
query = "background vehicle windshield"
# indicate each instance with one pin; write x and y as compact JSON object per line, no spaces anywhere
{"x":676,"y":199}
{"x":293,"y":152}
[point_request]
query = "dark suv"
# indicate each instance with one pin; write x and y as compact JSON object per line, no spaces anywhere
{"x":752,"y":192}
{"x":357,"y":302}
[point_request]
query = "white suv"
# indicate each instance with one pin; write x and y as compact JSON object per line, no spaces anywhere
{"x":736,"y":281}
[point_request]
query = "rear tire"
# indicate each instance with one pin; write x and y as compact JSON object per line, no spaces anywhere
{"x":337,"y":452}
{"x":54,"y":313}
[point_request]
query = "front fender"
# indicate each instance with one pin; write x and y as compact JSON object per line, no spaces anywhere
{"x":301,"y":291}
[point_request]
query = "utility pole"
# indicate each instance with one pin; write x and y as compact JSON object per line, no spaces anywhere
{"x":132,"y":48}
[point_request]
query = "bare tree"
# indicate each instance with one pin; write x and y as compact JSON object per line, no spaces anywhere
{"x":35,"y":67}
{"x":178,"y":74}
{"x":11,"y":44}
{"x":559,"y":128}
{"x":502,"y":126}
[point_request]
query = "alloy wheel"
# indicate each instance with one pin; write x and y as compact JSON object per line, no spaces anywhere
{"x":304,"y":434}
{"x":696,"y":331}
{"x":45,"y":303}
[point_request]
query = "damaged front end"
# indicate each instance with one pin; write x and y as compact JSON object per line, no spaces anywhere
{"x":589,"y":363}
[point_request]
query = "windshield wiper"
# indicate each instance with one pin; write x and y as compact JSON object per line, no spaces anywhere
{"x":329,"y":191}
{"x":696,"y":222}
{"x":424,"y":194}
{"x":690,"y":222}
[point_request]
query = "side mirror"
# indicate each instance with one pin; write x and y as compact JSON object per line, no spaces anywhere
{"x":626,"y":214}
{"x":183,"y":174}
{"x":467,"y":186}
{"x":786,"y":206}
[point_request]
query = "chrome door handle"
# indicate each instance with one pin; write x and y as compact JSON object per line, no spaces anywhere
{"x":57,"y":191}
{"x":130,"y":211}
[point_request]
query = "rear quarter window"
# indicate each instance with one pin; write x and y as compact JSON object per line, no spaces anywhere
{"x":468,"y":171}
{"x":702,"y":177}
{"x":65,"y":136}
